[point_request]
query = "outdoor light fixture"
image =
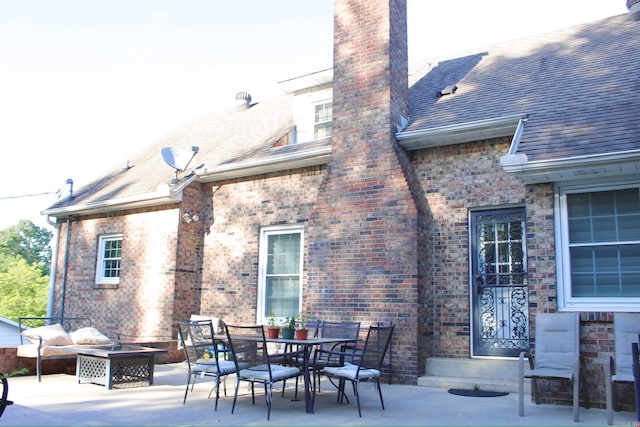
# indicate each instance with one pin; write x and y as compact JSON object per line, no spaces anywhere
{"x":189,"y":218}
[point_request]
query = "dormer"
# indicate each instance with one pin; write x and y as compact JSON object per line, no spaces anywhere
{"x":312,"y":105}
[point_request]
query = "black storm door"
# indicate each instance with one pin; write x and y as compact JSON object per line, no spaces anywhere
{"x":499,"y":283}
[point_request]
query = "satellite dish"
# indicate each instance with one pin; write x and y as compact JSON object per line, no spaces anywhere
{"x":178,"y":158}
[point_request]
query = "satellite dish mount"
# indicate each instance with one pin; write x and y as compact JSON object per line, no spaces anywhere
{"x":179,"y":159}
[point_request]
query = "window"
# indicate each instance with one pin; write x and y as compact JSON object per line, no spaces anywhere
{"x":280,"y":271}
{"x":599,"y":247}
{"x":322,"y":120}
{"x":109,"y":255}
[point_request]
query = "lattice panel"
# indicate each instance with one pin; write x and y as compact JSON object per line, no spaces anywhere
{"x":124,"y":371}
{"x":92,"y":369}
{"x":130,"y":370}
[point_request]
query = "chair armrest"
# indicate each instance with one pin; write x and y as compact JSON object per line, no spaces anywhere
{"x":608,"y":368}
{"x":352,"y":353}
{"x":529,"y":356}
{"x":39,"y":343}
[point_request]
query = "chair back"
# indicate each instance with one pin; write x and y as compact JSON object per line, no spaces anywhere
{"x":248,"y":347}
{"x":198,"y":342}
{"x":346,"y":329}
{"x":313,"y":326}
{"x":626,"y":329}
{"x":376,"y":346}
{"x":635,"y":364}
{"x":340,"y":330}
{"x":557,"y":341}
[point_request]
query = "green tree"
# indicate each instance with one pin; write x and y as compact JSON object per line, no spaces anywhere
{"x":23,"y":289}
{"x":28,"y":241}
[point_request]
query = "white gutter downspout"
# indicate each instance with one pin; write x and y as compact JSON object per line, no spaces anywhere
{"x":511,"y":157}
{"x":515,"y":141}
{"x":63,"y":291}
{"x":53,"y":265}
{"x":64,"y":267}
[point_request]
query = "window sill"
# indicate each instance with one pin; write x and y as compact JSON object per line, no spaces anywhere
{"x":105,"y":286}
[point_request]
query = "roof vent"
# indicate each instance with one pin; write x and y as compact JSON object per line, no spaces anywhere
{"x":447,"y":90}
{"x":243,"y":100}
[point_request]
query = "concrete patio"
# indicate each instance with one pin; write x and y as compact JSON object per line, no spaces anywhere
{"x":60,"y":400}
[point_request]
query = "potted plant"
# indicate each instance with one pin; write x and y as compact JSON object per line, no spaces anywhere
{"x":302,"y":332}
{"x":289,"y":327}
{"x":273,"y":330}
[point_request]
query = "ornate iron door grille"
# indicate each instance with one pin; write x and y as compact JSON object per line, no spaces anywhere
{"x":499,"y":289}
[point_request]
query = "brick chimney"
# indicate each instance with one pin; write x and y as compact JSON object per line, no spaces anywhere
{"x":363,"y":233}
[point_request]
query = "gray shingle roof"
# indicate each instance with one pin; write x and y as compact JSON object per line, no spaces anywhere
{"x":222,"y":137}
{"x":579,"y":86}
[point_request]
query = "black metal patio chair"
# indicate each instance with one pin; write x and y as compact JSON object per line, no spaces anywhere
{"x":254,"y":363}
{"x":636,"y":375}
{"x":205,"y":356}
{"x":359,"y":364}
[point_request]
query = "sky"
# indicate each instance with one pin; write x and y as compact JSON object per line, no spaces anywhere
{"x":84,"y":83}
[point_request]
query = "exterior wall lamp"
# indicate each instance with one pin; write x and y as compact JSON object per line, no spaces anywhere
{"x":189,"y":218}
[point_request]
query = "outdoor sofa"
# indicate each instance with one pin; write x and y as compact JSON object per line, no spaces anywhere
{"x":47,"y":342}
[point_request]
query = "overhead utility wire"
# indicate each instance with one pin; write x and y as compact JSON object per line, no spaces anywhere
{"x":29,"y":195}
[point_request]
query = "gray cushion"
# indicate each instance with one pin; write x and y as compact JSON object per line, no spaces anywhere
{"x":350,"y":371}
{"x":262,"y":372}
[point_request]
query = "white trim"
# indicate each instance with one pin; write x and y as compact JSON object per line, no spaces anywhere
{"x":566,"y":302}
{"x":323,"y":103}
{"x":571,"y":168}
{"x":163,"y":195}
{"x":461,"y":132}
{"x":307,"y":81}
{"x":314,"y":157}
{"x":265,"y":232}
{"x":100,"y":279}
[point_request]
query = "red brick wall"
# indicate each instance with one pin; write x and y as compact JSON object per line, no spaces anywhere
{"x":455,"y":179}
{"x":8,"y":359}
{"x":235,"y":212}
{"x":363,"y":233}
{"x":466,"y":176}
{"x":189,"y":253}
{"x":141,"y":306}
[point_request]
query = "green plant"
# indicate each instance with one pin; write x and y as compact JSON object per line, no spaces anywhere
{"x":476,"y":387}
{"x":302,"y":320}
{"x":14,"y":373}
{"x":271,"y":320}
{"x":290,"y":322}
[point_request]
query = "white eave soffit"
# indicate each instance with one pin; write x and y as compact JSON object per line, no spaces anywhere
{"x":165,"y":194}
{"x":573,"y":168}
{"x":276,"y":163}
{"x":460,"y":133}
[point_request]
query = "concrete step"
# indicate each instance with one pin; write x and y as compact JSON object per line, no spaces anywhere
{"x":485,"y":374}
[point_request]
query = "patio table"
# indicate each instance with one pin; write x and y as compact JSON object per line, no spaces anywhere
{"x":110,"y":365}
{"x":307,"y":345}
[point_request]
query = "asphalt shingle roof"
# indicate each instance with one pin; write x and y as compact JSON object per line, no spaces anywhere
{"x":223,"y":137}
{"x":579,"y":87}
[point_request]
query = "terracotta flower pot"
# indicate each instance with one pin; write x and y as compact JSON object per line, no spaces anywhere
{"x":302,"y":334}
{"x":273,"y":332}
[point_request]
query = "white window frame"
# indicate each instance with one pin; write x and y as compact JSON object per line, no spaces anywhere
{"x":323,"y":123}
{"x":100,"y":278}
{"x":567,"y":302}
{"x":265,"y":233}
